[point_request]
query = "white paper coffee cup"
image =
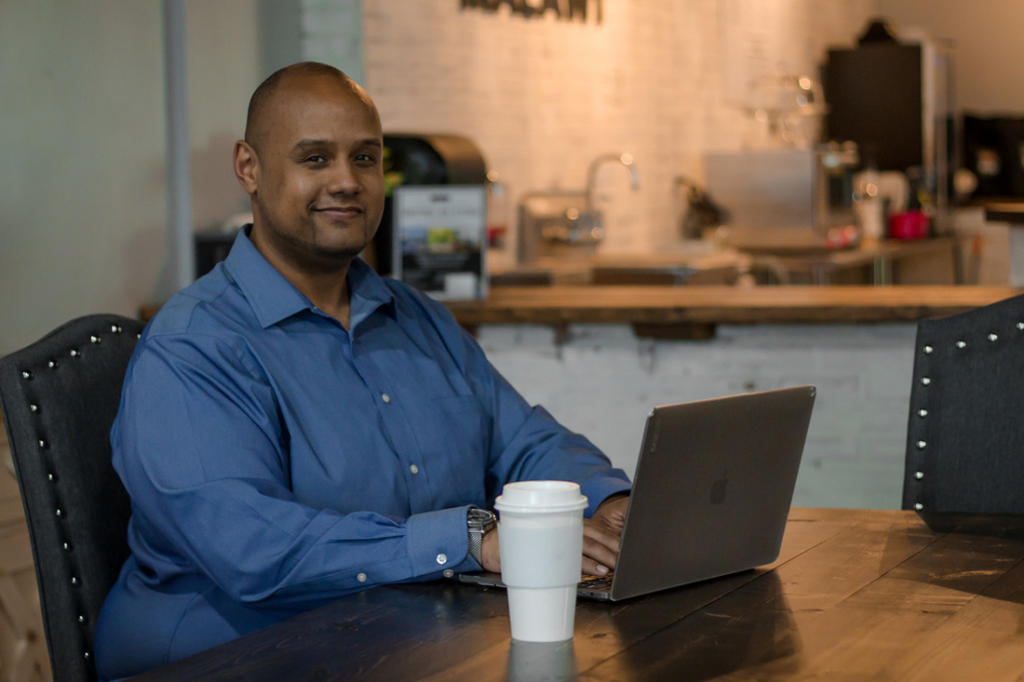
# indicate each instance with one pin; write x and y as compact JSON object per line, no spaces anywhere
{"x":540,"y":534}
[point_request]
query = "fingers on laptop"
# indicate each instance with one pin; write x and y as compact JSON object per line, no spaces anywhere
{"x":600,"y":549}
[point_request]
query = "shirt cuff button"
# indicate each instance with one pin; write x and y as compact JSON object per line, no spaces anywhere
{"x":442,"y":559}
{"x":361,"y":577}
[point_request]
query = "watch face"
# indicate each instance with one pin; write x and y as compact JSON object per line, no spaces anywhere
{"x":480,"y":519}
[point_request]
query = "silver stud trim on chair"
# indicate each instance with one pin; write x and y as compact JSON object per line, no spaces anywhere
{"x":929,"y":367}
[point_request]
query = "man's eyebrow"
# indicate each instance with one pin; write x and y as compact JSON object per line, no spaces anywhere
{"x":307,"y":143}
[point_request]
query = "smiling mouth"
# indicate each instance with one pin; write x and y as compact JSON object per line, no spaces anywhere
{"x":340,"y":211}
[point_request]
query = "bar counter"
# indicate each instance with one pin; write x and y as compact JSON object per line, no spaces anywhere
{"x":599,"y":357}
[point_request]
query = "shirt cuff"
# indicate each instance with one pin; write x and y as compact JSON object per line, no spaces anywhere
{"x":601,"y":487}
{"x":439,"y":541}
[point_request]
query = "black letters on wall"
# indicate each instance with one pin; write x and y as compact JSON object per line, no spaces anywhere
{"x":564,"y":9}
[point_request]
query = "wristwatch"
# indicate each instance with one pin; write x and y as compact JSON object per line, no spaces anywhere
{"x":478,"y":522}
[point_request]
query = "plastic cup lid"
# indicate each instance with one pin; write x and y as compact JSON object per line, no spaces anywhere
{"x":540,"y":495}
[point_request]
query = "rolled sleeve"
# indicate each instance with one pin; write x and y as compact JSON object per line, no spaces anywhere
{"x":600,"y":488}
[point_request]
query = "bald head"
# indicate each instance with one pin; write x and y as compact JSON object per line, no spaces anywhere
{"x":261,"y":106}
{"x":312,"y":165}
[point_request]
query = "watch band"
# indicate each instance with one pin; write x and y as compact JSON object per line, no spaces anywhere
{"x":478,"y":522}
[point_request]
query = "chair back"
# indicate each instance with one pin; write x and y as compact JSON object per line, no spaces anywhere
{"x":965,"y":434}
{"x":59,"y":398}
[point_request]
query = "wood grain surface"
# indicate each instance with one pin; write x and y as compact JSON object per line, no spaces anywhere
{"x":653,"y":305}
{"x":722,"y":304}
{"x":855,"y":595}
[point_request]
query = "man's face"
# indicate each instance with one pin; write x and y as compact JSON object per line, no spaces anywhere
{"x":318,"y":181}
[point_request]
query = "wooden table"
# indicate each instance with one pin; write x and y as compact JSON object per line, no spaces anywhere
{"x":855,"y":595}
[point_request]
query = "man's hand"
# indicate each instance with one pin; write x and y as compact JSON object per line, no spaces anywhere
{"x":600,"y":538}
{"x":490,"y":553}
{"x":601,"y":535}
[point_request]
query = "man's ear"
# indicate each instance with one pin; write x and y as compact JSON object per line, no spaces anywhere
{"x":246,"y":167}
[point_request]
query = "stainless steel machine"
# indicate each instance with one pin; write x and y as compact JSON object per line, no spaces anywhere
{"x":798,"y":194}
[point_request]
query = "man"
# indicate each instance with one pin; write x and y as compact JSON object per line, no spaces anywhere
{"x":294,"y":428}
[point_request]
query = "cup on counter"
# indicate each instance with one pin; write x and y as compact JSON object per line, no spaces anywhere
{"x":909,"y":225}
{"x":540,"y":535}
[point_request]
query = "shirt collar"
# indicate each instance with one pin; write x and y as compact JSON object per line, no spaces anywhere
{"x":273,"y":298}
{"x":369,"y":292}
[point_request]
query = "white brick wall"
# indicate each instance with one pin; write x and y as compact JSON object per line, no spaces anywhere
{"x":542,"y":97}
{"x":604,"y":380}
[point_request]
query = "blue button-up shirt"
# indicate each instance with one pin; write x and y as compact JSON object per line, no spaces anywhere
{"x":276,"y":460}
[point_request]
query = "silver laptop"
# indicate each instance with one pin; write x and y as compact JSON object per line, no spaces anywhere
{"x":711,"y":493}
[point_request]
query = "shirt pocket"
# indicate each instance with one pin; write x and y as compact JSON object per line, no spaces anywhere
{"x":454,"y":440}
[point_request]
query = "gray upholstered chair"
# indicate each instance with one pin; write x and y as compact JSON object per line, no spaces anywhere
{"x":59,"y":398}
{"x":965,"y":436}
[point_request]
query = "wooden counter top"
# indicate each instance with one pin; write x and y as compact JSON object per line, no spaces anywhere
{"x":709,"y":305}
{"x":690,"y":312}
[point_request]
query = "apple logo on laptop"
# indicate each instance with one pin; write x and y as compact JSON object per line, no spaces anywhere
{"x":718,"y":489}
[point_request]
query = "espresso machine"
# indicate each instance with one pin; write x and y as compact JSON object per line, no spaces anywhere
{"x":784,"y":197}
{"x":420,"y":160}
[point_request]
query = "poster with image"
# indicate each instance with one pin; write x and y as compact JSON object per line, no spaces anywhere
{"x":440,"y":240}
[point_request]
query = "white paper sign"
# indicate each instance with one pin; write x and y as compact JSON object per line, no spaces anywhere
{"x":441,"y":240}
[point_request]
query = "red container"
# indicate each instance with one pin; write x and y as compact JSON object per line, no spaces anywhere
{"x":908,"y":226}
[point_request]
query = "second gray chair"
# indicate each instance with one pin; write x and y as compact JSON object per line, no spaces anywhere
{"x":965,"y":435}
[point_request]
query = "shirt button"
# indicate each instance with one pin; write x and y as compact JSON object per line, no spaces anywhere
{"x":413,"y":468}
{"x":442,"y":559}
{"x":385,"y":397}
{"x":361,"y":577}
{"x":448,"y":573}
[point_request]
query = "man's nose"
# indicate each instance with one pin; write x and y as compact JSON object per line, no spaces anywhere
{"x":344,"y":179}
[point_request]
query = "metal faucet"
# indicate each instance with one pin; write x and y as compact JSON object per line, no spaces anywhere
{"x":569,"y":224}
{"x":625,"y":159}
